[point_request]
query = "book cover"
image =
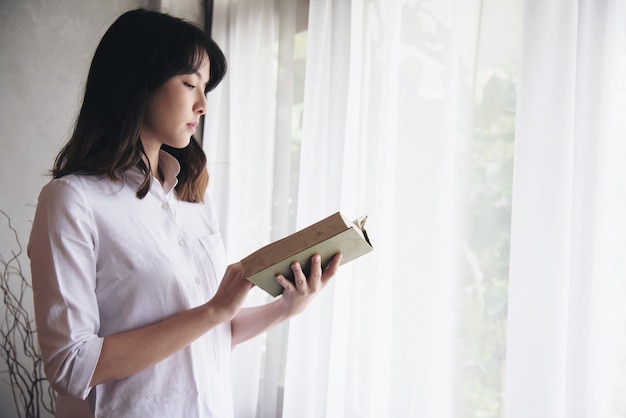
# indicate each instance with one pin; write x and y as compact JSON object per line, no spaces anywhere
{"x":332,"y":235}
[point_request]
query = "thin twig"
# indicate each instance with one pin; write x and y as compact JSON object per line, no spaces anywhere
{"x":18,"y":344}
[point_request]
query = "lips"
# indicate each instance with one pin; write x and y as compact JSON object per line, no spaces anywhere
{"x":192,"y":126}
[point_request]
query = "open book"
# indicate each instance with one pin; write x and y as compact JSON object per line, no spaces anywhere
{"x":332,"y":235}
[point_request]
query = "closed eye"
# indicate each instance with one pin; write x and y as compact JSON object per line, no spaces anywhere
{"x":191,"y":86}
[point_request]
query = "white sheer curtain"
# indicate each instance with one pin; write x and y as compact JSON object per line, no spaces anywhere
{"x":388,"y":93}
{"x":566,"y":291}
{"x":410,"y":114}
{"x":250,"y":146}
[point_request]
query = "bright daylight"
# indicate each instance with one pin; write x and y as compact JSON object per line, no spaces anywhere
{"x":313,"y":208}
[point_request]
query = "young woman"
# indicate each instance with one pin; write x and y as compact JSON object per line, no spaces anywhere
{"x":135,"y":305}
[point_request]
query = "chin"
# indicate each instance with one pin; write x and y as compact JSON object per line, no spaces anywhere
{"x":179,"y":144}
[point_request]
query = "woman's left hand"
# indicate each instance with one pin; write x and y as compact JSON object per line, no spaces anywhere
{"x":298,"y":294}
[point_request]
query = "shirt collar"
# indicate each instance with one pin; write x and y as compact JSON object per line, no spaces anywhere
{"x":170,"y":167}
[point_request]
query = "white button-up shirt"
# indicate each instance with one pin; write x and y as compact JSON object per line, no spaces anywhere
{"x":104,"y":262}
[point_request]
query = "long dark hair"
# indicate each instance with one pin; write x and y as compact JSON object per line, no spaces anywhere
{"x":138,"y":53}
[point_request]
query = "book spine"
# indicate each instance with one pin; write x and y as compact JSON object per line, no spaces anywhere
{"x":294,"y":243}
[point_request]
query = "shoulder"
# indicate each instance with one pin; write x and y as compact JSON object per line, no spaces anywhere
{"x":81,"y":186}
{"x":75,"y":190}
{"x":64,"y":195}
{"x":62,"y":207}
{"x":66,"y":186}
{"x":64,"y":189}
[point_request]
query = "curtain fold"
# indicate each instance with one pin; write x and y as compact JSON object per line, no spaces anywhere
{"x":485,"y":141}
{"x":558,"y":345}
{"x":241,"y":135}
{"x":320,"y":189}
{"x":367,"y":348}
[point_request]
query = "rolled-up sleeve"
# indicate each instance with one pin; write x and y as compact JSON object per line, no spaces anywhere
{"x":62,"y":250}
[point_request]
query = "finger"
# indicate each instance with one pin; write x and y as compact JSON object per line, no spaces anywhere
{"x":316,"y":266}
{"x":285,"y":283}
{"x":315,"y":275}
{"x":299,"y":276}
{"x":332,"y":268}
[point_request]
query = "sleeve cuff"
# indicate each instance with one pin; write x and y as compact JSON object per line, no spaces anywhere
{"x":84,"y":368}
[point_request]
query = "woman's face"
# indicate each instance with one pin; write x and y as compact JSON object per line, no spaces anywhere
{"x":174,"y":110}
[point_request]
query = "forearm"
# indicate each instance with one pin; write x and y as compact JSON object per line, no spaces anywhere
{"x":250,"y":322}
{"x":130,"y":352}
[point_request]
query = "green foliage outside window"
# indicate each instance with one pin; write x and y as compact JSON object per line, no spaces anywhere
{"x":483,"y":310}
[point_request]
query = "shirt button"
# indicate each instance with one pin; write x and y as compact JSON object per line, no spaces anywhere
{"x":181,"y":242}
{"x":165,"y":206}
{"x":198,"y":281}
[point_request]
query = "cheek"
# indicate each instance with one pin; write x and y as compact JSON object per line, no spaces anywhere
{"x":150,"y":121}
{"x":150,"y":115}
{"x":158,"y":105}
{"x":157,"y":114}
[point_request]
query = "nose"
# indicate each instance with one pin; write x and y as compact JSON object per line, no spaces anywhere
{"x":200,"y":105}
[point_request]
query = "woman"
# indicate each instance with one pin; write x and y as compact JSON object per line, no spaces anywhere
{"x":136,"y":309}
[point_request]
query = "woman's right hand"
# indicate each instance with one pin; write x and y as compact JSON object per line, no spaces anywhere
{"x":231,"y":293}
